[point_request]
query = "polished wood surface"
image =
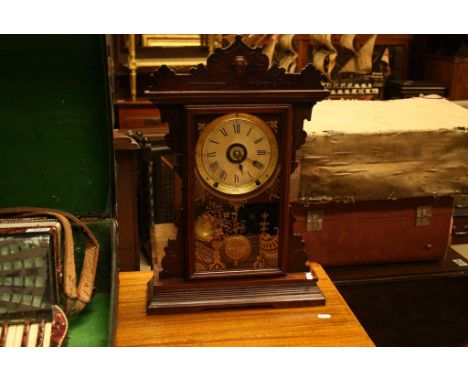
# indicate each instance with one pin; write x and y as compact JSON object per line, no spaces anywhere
{"x":409,"y":304}
{"x":237,"y":327}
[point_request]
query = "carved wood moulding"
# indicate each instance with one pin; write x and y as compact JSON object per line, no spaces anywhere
{"x":236,"y":74}
{"x":237,"y":67}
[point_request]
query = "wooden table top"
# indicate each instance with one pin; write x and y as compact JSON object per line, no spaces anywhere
{"x":237,"y":327}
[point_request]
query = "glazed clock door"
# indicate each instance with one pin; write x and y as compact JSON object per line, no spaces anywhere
{"x":236,"y":213}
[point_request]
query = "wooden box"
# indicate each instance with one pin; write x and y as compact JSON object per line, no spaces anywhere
{"x":407,"y":89}
{"x":139,"y":115}
{"x":56,"y":151}
{"x":370,"y":232}
{"x":411,"y":303}
{"x":377,"y":180}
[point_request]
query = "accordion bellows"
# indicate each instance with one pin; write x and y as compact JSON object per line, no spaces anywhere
{"x":362,"y":150}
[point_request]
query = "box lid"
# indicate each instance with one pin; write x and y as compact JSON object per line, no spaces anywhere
{"x":379,"y":150}
{"x":410,"y":84}
{"x":55,"y":125}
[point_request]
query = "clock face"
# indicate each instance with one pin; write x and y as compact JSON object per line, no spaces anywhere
{"x":236,"y":154}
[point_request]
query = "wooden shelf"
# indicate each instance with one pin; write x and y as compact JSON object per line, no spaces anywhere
{"x":237,"y":327}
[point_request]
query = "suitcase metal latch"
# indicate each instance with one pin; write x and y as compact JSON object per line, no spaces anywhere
{"x":423,"y":215}
{"x":314,"y":220}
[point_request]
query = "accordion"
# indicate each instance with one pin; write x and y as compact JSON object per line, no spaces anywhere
{"x":30,"y":275}
{"x":38,"y":276}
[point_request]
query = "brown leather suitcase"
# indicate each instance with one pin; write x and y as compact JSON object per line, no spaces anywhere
{"x":366,"y":232}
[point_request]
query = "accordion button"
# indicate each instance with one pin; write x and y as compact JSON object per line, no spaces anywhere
{"x":32,"y":338}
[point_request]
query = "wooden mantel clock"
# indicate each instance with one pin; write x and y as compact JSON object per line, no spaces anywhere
{"x":235,"y":126}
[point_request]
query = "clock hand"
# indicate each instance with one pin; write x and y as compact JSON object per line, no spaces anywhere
{"x":256,"y":164}
{"x":241,"y":168}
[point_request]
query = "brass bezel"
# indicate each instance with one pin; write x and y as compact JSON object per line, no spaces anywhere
{"x":251,"y":189}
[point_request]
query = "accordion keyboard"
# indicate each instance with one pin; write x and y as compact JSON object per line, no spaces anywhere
{"x":26,"y":334}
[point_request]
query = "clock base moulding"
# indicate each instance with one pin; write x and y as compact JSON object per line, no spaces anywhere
{"x":168,"y":293}
{"x":176,"y":296}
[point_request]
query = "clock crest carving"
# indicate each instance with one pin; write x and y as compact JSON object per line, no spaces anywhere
{"x":235,"y":126}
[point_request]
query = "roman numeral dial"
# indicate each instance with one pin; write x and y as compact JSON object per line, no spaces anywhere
{"x":236,"y":154}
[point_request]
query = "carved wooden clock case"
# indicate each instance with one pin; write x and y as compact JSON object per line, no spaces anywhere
{"x":235,"y":126}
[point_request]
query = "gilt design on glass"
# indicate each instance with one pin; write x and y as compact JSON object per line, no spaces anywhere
{"x":235,"y":222}
{"x":235,"y":238}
